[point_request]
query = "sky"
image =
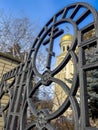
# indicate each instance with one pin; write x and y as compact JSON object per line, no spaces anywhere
{"x":39,"y":11}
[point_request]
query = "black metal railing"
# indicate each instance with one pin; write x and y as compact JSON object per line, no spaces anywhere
{"x":21,"y":113}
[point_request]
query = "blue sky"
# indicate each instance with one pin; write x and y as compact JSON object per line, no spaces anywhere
{"x":39,"y":11}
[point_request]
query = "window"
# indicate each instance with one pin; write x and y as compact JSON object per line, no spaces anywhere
{"x":63,"y":48}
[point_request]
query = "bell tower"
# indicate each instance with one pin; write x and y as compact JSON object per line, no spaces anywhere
{"x":65,"y":43}
{"x":65,"y":74}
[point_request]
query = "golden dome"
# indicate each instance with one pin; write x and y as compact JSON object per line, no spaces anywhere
{"x":66,"y":37}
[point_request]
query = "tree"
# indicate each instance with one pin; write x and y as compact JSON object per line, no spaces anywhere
{"x":92,"y":83}
{"x":16,"y":35}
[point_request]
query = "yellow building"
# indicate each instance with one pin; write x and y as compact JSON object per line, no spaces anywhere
{"x":64,"y":74}
{"x":7,"y":62}
{"x":65,"y":42}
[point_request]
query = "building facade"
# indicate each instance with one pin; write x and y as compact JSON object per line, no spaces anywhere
{"x":64,"y":75}
{"x":7,"y":62}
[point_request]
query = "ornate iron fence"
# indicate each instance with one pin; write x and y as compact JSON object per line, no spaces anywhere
{"x":20,"y":89}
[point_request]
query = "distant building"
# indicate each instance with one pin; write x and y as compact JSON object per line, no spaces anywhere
{"x":65,"y":43}
{"x":65,"y":74}
{"x":7,"y":62}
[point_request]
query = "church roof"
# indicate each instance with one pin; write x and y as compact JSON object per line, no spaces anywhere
{"x":66,"y":37}
{"x":10,"y":57}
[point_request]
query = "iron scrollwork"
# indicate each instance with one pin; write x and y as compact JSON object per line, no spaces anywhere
{"x":20,"y":89}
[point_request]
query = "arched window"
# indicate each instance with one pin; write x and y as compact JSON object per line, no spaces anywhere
{"x":63,"y":48}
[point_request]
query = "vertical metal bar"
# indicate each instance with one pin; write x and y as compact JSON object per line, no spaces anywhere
{"x":51,"y":46}
{"x":83,"y":88}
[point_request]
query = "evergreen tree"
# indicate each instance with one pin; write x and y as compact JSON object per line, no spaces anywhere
{"x":92,"y":83}
{"x":91,"y":56}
